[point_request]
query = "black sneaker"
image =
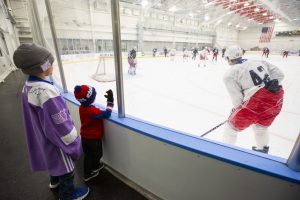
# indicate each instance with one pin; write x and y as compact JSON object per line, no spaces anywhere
{"x":53,"y":185}
{"x":88,"y":177}
{"x":264,"y":150}
{"x":101,"y":166}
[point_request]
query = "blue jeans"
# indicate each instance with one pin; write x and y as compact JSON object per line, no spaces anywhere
{"x":66,"y":185}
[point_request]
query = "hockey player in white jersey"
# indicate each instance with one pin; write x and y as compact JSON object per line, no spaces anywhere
{"x":172,"y":54}
{"x":256,"y":94}
{"x":185,"y":55}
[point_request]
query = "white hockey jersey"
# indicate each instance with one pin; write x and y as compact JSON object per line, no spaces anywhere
{"x":173,"y":52}
{"x":244,"y":79}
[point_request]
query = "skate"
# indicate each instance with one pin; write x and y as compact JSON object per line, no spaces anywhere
{"x":264,"y":150}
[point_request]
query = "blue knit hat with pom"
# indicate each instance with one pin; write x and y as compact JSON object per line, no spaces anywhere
{"x":85,"y":94}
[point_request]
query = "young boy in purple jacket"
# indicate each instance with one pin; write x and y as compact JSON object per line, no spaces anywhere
{"x":52,"y":140}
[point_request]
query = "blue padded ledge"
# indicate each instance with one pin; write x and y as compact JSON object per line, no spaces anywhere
{"x":265,"y":164}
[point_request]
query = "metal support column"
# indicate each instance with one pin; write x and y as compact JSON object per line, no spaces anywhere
{"x":115,"y":15}
{"x":91,"y":11}
{"x":54,"y":37}
{"x":34,"y":17}
{"x":294,"y":158}
{"x":140,"y":32}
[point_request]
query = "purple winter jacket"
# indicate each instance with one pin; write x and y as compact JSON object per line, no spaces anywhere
{"x":52,"y":139}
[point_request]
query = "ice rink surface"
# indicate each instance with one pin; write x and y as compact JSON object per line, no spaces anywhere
{"x":182,"y":96}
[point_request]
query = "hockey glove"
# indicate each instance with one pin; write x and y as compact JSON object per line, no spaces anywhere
{"x":110,"y":97}
{"x":272,"y":86}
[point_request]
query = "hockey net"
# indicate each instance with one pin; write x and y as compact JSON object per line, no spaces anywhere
{"x":101,"y":75}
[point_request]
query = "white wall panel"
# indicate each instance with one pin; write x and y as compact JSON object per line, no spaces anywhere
{"x":74,"y":21}
{"x":226,"y":37}
{"x":250,"y":38}
{"x":8,"y":43}
{"x":173,"y":173}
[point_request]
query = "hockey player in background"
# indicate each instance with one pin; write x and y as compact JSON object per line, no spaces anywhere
{"x":195,"y":52}
{"x":244,"y":51}
{"x":132,"y":62}
{"x":172,"y":54}
{"x":154,"y":52}
{"x":266,"y":52}
{"x":257,"y":96}
{"x":223,"y":52}
{"x":185,"y":55}
{"x":203,"y":58}
{"x":215,"y":54}
{"x":285,"y":53}
{"x":165,"y":51}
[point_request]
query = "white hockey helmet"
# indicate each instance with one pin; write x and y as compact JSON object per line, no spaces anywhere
{"x":234,"y":52}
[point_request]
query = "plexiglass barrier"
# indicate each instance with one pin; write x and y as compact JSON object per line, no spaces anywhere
{"x":166,"y":80}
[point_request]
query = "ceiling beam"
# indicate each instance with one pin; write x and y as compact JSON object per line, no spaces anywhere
{"x":275,"y":8}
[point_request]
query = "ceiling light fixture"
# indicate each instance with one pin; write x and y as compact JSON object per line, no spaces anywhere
{"x":173,"y":9}
{"x":144,"y":3}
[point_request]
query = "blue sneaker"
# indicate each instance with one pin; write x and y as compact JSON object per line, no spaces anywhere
{"x":80,"y":193}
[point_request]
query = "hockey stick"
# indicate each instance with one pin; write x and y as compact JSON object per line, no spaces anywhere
{"x":214,"y":128}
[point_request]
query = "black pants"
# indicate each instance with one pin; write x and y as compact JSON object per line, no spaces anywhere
{"x":92,"y":149}
{"x":66,"y":186}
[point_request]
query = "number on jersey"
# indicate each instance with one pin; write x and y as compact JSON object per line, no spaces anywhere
{"x":259,"y":76}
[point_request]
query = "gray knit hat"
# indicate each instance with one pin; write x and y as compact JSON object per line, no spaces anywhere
{"x":32,"y":59}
